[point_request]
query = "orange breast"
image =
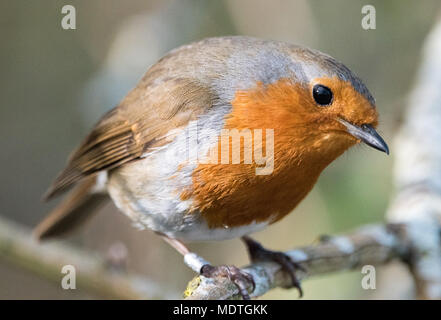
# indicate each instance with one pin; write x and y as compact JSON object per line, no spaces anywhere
{"x":232,"y":194}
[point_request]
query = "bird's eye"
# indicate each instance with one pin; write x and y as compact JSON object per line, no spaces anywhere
{"x":322,"y":95}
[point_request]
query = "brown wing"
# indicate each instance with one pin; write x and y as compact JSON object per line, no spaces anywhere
{"x":138,"y":124}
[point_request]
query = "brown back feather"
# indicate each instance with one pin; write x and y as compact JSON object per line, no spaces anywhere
{"x":106,"y":147}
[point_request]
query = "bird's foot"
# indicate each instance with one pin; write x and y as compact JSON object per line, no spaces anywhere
{"x":240,"y":278}
{"x":258,"y":253}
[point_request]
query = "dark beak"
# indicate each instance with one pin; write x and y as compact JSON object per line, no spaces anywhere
{"x":367,"y":134}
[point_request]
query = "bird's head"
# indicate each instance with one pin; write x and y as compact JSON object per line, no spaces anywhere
{"x":338,"y":109}
{"x":315,"y":104}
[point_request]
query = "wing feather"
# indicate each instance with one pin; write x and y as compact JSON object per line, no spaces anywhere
{"x":139,"y":123}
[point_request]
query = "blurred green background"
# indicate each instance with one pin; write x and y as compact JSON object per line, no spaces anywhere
{"x":55,"y":83}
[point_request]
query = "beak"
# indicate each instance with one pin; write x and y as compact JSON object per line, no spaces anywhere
{"x":367,"y":134}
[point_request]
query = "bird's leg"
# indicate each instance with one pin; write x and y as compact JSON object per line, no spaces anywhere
{"x":240,"y":278}
{"x":258,"y":253}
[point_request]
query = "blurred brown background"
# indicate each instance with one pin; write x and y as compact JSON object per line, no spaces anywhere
{"x":55,"y":83}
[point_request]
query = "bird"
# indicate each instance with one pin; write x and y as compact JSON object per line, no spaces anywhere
{"x":219,"y":139}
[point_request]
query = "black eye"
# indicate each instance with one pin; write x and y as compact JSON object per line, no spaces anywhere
{"x":322,"y":95}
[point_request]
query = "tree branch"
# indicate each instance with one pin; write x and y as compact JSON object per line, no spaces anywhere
{"x":418,"y":170}
{"x":92,"y":272}
{"x":370,"y":245}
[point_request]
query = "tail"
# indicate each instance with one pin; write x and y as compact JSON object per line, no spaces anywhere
{"x":73,"y":211}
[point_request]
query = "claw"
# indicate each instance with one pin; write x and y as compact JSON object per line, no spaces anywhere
{"x":258,"y":253}
{"x":240,"y":278}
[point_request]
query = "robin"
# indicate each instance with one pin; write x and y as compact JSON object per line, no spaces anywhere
{"x":163,"y":154}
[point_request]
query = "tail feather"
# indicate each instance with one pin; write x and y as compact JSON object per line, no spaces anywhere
{"x":74,"y":210}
